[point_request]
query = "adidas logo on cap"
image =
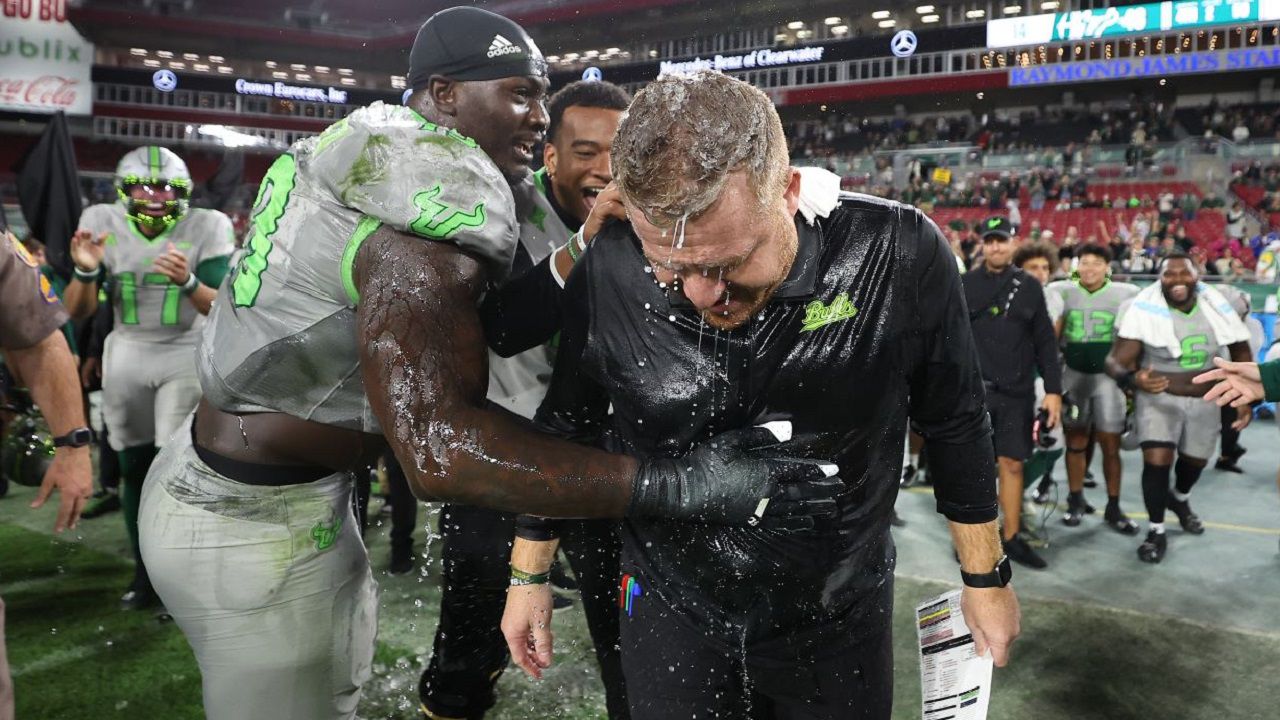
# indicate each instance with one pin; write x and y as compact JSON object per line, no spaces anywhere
{"x":502,"y":46}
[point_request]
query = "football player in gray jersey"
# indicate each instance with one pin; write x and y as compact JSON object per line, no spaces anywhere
{"x":160,"y":262}
{"x":353,"y":318}
{"x":1159,"y":364}
{"x":1091,"y":304}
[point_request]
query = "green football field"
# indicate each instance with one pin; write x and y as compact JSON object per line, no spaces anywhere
{"x":75,"y":655}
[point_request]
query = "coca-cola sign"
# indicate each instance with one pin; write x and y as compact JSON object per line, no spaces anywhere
{"x":44,"y":63}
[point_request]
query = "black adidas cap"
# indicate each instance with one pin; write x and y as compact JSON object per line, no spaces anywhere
{"x":997,"y":225}
{"x":467,"y":43}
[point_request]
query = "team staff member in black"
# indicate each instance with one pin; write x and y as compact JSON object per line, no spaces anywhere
{"x":470,"y":654}
{"x":721,"y":306}
{"x":1014,"y":335}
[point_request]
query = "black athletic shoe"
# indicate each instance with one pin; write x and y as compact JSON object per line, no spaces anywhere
{"x":1089,"y":482}
{"x":1042,"y":490}
{"x":402,"y":561}
{"x":1077,"y":508}
{"x":559,"y":578}
{"x":108,"y":503}
{"x":139,"y":599}
{"x":560,"y":602}
{"x":896,"y":521}
{"x":1152,"y":549}
{"x":1228,"y":465}
{"x":1187,"y":517}
{"x":1020,"y":552}
{"x":908,"y":476}
{"x":1120,"y":522}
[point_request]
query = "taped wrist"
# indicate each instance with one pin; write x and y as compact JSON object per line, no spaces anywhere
{"x":650,"y":489}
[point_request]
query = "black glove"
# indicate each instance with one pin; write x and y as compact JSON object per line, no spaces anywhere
{"x":728,"y":480}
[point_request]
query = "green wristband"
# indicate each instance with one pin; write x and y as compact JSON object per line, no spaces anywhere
{"x":574,"y":251}
{"x":520,"y":577}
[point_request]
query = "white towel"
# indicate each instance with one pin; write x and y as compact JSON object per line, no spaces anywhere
{"x":819,"y":193}
{"x":1149,"y":319}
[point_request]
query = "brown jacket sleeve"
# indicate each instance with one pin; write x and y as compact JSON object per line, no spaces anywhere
{"x":29,"y":311}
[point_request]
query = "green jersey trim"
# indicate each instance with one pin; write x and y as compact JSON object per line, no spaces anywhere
{"x":1105,"y":284}
{"x":1188,"y":313}
{"x":212,"y":271}
{"x":363,"y":230}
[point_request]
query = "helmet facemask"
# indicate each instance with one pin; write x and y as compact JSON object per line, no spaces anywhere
{"x":137,"y":208}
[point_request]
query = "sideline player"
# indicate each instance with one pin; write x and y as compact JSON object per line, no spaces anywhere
{"x":470,"y":653}
{"x":738,"y":294}
{"x":1169,"y":335}
{"x":351,"y":318}
{"x":161,"y":263}
{"x":1091,"y":304}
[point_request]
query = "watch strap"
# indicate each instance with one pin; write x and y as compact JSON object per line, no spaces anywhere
{"x":79,"y":437}
{"x":999,"y":577}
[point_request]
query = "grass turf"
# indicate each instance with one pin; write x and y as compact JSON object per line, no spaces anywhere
{"x":75,"y":655}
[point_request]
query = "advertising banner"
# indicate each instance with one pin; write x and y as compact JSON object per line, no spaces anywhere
{"x":44,"y":63}
{"x":1114,"y":21}
{"x":1150,"y":66}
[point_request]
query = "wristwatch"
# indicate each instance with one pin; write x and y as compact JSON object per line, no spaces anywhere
{"x":997,"y":578}
{"x":76,"y":438}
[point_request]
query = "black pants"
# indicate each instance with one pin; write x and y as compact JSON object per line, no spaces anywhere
{"x":1230,"y":436}
{"x":404,"y":506}
{"x":675,"y":672}
{"x":470,"y":652}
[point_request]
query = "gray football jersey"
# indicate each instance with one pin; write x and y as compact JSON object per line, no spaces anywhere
{"x":1089,"y":321}
{"x":1199,"y":344}
{"x":519,"y":383}
{"x":282,"y":335}
{"x":148,"y":306}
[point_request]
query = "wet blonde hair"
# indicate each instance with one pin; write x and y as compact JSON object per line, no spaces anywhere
{"x":684,"y":135}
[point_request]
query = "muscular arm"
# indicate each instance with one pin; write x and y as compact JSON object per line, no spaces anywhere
{"x":425,"y":369}
{"x":1123,"y":358}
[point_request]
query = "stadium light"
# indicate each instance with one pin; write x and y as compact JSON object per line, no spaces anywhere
{"x":839,"y":29}
{"x":348,"y":81}
{"x":280,"y":75}
{"x":224,"y":70}
{"x":151,"y":63}
{"x":591,"y":53}
{"x":200,"y":67}
{"x":804,"y":34}
{"x":344,"y":71}
{"x":271,"y":64}
{"x":217,"y":59}
{"x":1051,"y":5}
{"x":552,"y":58}
{"x":137,"y":51}
{"x":924,"y":9}
{"x":888,"y":23}
{"x":1012,"y":9}
{"x":880,"y":14}
{"x":975,"y":14}
{"x":930,"y":19}
{"x":780,"y":37}
{"x":177,"y":65}
{"x":322,"y":69}
{"x":164,"y":54}
{"x":831,"y":21}
{"x":795,"y":25}
{"x":571,"y":56}
{"x":297,"y":67}
{"x":303,"y":77}
{"x":613,"y":51}
{"x":229,"y":137}
{"x":190,"y":56}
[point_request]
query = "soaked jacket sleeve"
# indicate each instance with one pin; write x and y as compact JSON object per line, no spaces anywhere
{"x":575,"y":407}
{"x":524,"y":313}
{"x":947,"y":405}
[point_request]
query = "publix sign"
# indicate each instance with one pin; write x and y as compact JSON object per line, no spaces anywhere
{"x":1146,"y":67}
{"x":44,"y":63}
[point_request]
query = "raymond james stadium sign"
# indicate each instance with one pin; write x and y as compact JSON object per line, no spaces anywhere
{"x":44,"y":63}
{"x":1146,"y":67}
{"x":291,"y":92}
{"x":746,"y":61}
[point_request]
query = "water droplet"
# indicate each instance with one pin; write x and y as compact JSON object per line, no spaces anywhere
{"x":647,"y":306}
{"x":672,"y":318}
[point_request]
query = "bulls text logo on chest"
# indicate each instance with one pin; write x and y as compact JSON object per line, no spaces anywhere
{"x":817,"y":314}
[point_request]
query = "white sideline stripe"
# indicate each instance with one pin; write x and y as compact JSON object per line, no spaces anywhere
{"x":53,"y":660}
